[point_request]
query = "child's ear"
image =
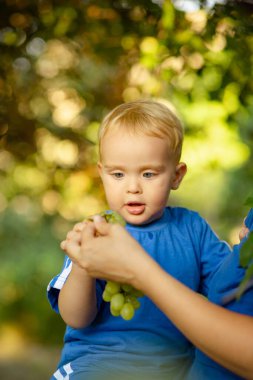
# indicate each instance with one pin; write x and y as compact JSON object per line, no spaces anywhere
{"x":180,"y":172}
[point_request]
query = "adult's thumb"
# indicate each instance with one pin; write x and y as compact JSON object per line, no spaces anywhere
{"x":101,"y":225}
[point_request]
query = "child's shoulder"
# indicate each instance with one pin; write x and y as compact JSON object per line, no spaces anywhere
{"x":187,"y":220}
{"x":183,"y":214}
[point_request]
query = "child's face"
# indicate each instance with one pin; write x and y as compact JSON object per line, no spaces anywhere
{"x":138,"y":174}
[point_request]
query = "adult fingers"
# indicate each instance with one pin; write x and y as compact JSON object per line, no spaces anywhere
{"x":88,"y":233}
{"x":243,"y":232}
{"x":102,"y":227}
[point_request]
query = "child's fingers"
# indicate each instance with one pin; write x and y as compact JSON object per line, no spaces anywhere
{"x":63,"y":245}
{"x":78,"y":227}
{"x":73,"y":235}
{"x":72,"y":249}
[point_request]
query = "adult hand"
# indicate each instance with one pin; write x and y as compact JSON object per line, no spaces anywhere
{"x":243,"y":231}
{"x":107,"y":251}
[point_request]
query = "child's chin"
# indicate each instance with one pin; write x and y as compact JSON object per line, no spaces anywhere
{"x":137,"y":220}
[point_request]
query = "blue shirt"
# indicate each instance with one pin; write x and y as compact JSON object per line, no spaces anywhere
{"x":185,"y":246}
{"x":224,"y":284}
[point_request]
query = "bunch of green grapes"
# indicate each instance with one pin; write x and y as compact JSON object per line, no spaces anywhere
{"x":123,"y":298}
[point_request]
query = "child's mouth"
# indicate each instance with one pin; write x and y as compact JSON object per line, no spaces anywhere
{"x":135,"y":208}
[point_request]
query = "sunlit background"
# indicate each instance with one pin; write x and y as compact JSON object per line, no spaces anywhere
{"x":64,"y":65}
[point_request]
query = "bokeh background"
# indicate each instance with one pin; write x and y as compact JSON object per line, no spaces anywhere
{"x":63,"y":66}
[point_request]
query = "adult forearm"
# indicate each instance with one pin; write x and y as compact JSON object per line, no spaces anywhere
{"x":223,"y":335}
{"x":77,"y":299}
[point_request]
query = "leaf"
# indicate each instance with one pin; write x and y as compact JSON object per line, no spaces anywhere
{"x":249,"y":201}
{"x":246,"y":254}
{"x":113,"y":217}
{"x":247,"y":281}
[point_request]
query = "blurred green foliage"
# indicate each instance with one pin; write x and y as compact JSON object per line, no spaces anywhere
{"x":246,"y":258}
{"x":64,"y":64}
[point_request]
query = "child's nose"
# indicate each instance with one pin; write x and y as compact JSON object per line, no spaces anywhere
{"x":134,"y":186}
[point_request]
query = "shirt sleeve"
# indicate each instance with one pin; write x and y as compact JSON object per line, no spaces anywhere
{"x":58,"y":281}
{"x":249,"y":220}
{"x":212,"y":251}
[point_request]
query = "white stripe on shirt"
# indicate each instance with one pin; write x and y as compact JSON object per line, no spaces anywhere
{"x":58,"y":375}
{"x":62,"y":277}
{"x":67,"y":368}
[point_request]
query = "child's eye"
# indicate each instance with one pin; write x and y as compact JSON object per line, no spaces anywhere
{"x":148,"y":175}
{"x":118,"y":175}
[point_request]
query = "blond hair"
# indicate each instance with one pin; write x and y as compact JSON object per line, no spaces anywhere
{"x":147,"y":117}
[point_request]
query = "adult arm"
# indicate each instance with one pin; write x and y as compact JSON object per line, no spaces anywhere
{"x":223,"y":335}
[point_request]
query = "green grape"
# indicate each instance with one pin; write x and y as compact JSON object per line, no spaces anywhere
{"x":117,"y":301}
{"x":113,"y":217}
{"x":112,"y":287}
{"x":106,"y":296}
{"x":114,"y":313}
{"x":131,"y":299}
{"x":127,"y":311}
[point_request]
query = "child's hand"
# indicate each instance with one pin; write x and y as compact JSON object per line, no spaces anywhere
{"x":73,"y":236}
